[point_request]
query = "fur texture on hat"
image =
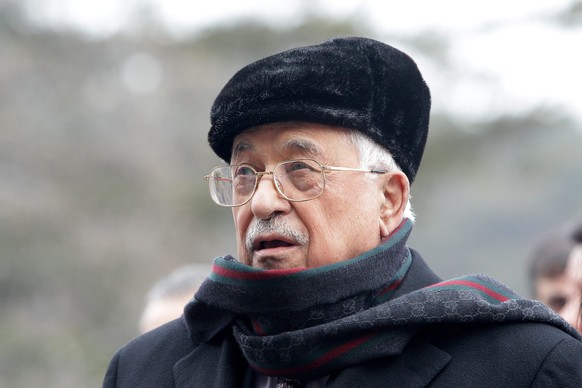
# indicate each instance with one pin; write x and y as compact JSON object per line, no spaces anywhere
{"x":352,"y":82}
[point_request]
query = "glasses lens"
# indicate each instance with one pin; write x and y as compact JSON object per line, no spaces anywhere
{"x":300,"y":180}
{"x":232,"y":185}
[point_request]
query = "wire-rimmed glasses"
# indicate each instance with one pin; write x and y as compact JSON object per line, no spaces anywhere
{"x":296,"y":180}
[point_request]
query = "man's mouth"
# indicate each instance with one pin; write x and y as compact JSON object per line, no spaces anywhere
{"x":276,"y":251}
{"x":270,"y":244}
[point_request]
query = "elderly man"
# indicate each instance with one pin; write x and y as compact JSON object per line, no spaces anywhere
{"x":321,"y":144}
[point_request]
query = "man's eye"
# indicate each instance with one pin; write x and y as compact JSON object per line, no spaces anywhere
{"x":244,"y":171}
{"x":557,"y":303}
{"x":294,"y":166}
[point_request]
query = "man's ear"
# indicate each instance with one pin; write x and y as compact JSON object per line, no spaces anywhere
{"x":396,"y":192}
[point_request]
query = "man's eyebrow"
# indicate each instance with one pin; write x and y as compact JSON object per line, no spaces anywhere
{"x":240,"y":148}
{"x":301,"y":146}
{"x":304,"y":147}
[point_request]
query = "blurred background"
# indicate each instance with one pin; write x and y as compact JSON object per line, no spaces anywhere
{"x":104,"y":110}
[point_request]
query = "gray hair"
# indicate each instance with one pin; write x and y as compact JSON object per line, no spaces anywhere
{"x":373,"y":156}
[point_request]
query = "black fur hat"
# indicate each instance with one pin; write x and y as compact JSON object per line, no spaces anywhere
{"x":352,"y":82}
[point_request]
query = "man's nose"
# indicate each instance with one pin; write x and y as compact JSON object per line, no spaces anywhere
{"x":267,"y":200}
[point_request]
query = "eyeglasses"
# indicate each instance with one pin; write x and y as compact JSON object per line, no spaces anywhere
{"x":296,"y":180}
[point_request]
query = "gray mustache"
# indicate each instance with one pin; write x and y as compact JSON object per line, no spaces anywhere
{"x":273,"y":225}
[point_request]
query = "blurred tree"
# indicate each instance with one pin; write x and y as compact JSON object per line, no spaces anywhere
{"x":101,"y":187}
{"x":572,"y":15}
{"x":12,"y":17}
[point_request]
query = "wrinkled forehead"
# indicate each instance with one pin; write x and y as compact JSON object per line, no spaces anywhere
{"x":292,"y":138}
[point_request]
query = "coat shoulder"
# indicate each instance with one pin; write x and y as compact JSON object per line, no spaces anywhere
{"x":148,"y":360}
{"x":518,"y":354}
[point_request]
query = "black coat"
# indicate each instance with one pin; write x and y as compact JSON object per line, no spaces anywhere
{"x":486,"y":355}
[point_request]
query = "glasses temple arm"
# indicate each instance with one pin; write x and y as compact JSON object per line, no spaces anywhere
{"x":333,"y":168}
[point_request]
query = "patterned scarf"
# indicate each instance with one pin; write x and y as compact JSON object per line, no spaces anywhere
{"x":307,"y":323}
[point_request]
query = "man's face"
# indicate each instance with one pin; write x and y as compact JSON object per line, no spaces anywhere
{"x":554,"y":291}
{"x":572,"y":310}
{"x":348,"y":219}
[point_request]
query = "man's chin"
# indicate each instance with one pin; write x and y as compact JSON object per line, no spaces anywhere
{"x":270,"y":261}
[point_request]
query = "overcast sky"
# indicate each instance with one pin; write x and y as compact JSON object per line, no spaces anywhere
{"x":522,"y":59}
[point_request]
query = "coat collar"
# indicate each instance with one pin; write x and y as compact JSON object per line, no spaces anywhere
{"x":416,"y":366}
{"x":213,"y":365}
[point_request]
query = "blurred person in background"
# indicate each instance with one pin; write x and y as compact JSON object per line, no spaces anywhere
{"x":547,"y":265}
{"x":549,"y":281}
{"x":321,"y":145}
{"x":572,"y":310}
{"x":167,"y":298}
